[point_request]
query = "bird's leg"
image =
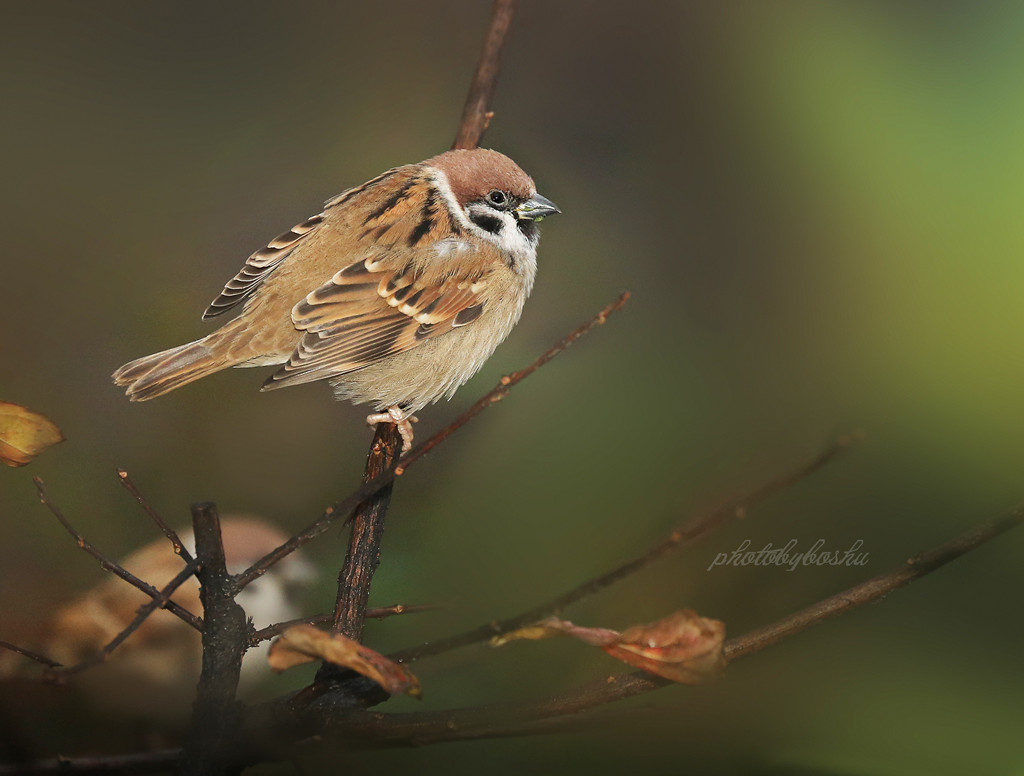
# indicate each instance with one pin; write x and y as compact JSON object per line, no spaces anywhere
{"x":397,"y":416}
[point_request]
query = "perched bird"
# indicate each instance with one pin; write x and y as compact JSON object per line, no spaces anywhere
{"x":397,"y":293}
{"x":153,"y":673}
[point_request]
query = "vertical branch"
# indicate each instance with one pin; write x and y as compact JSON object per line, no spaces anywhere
{"x":368,"y":520}
{"x":361,"y":562}
{"x":215,"y":713}
{"x":364,"y":543}
{"x":475,"y":116}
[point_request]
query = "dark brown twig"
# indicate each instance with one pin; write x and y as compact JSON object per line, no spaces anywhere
{"x":501,"y":390}
{"x":115,"y":568}
{"x":504,"y":718}
{"x":363,"y":556}
{"x":161,"y":600}
{"x":475,"y":115}
{"x":43,"y":659}
{"x":875,"y":588}
{"x":342,"y":508}
{"x":109,"y":765}
{"x":373,"y":613}
{"x":694,"y":529}
{"x":507,"y":719}
{"x":170,"y":533}
{"x":215,"y":714}
{"x":383,"y":612}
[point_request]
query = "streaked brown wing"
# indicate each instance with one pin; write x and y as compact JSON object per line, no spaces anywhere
{"x":259,"y":266}
{"x":263,"y":262}
{"x":369,"y":311}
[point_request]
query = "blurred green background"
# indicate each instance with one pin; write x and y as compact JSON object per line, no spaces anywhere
{"x":817,"y":209}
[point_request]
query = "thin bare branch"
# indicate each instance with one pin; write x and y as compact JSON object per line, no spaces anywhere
{"x":875,"y":588}
{"x":342,"y":508}
{"x":162,"y":761}
{"x":505,"y":385}
{"x":506,"y":718}
{"x":686,"y":534}
{"x":170,"y":533}
{"x":373,"y":613}
{"x":161,"y":600}
{"x":43,"y":659}
{"x":112,"y":566}
{"x":383,"y":612}
{"x":475,"y":115}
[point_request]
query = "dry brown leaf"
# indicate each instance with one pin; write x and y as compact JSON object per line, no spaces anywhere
{"x":304,"y":644}
{"x":683,"y":647}
{"x":24,"y":434}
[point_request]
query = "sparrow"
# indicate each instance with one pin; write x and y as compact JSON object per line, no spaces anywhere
{"x":396,"y":293}
{"x":154,"y":672}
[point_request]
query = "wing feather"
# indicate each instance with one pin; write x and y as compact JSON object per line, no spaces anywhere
{"x":351,"y":325}
{"x":393,"y":293}
{"x":261,"y":264}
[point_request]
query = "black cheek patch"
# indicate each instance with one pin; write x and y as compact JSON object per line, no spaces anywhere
{"x":486,"y":222}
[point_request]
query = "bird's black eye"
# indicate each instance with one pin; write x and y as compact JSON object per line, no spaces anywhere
{"x":498,"y":198}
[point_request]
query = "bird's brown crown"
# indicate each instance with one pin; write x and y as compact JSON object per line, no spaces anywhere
{"x":473,"y":173}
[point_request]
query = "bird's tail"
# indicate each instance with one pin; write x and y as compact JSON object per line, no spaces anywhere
{"x":151,"y":376}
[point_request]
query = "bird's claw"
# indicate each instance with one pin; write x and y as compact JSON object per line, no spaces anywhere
{"x":397,"y":416}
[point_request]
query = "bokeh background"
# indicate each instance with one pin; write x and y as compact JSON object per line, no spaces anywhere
{"x":817,"y":209}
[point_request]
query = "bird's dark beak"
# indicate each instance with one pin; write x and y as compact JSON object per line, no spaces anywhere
{"x":536,"y":208}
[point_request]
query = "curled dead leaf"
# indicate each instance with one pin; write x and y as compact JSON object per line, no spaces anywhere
{"x":24,"y":434}
{"x":683,"y":647}
{"x":304,"y":644}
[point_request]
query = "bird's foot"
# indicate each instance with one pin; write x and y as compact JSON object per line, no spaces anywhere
{"x":397,"y":416}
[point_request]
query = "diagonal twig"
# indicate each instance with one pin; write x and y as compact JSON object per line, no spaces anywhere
{"x":43,"y":659}
{"x":163,"y":761}
{"x":372,"y":613}
{"x":696,"y":528}
{"x":170,"y":533}
{"x":875,"y":588}
{"x":161,"y":600}
{"x":342,"y":508}
{"x":513,"y":718}
{"x":506,"y":718}
{"x":115,"y":568}
{"x":475,"y":115}
{"x":501,"y":390}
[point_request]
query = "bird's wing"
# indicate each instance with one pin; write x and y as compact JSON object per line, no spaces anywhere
{"x":263,"y":262}
{"x":419,"y":276}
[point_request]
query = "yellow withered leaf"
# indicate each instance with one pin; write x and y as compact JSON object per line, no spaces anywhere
{"x":24,"y":434}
